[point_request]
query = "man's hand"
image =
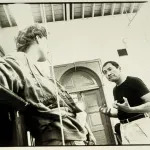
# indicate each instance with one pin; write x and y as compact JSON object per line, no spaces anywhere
{"x":124,"y":106}
{"x":104,"y":109}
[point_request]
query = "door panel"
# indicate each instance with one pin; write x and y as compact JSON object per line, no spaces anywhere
{"x":91,"y":100}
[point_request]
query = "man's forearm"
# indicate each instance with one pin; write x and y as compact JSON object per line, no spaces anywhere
{"x":113,"y":114}
{"x":144,"y":108}
{"x":109,"y":112}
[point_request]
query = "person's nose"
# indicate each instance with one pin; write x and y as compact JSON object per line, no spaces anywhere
{"x":108,"y":73}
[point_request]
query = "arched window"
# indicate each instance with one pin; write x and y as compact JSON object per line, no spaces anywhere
{"x":78,"y":81}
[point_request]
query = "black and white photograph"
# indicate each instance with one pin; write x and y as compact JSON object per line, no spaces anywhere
{"x":75,"y":73}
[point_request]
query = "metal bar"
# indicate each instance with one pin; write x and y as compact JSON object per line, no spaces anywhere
{"x":41,"y":11}
{"x":113,"y":8}
{"x":132,"y":7}
{"x":7,"y":15}
{"x":72,"y":11}
{"x":93,"y":9}
{"x":68,"y":11}
{"x":103,"y":9}
{"x":44,"y":13}
{"x":82,"y":11}
{"x":53,"y":15}
{"x":64,"y":12}
{"x":122,"y":8}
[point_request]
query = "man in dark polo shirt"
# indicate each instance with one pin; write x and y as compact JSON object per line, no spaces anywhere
{"x":132,"y":102}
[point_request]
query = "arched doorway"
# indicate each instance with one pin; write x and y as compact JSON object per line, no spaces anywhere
{"x":88,"y":94}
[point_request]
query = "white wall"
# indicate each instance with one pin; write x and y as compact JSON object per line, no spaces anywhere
{"x":7,"y":39}
{"x":138,"y":45}
{"x":78,"y":39}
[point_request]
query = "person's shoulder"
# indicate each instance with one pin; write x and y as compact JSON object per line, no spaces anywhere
{"x":18,"y":57}
{"x":15,"y":55}
{"x":134,"y":79}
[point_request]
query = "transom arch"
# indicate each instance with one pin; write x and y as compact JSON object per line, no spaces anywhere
{"x":80,"y":79}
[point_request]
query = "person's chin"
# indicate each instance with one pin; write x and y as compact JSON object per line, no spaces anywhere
{"x":42,"y":59}
{"x":112,"y":80}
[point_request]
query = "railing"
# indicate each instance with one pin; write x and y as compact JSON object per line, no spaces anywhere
{"x":13,"y":131}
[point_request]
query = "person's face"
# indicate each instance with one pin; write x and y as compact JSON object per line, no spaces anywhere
{"x":111,"y":72}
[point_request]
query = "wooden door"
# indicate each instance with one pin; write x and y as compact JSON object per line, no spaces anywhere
{"x":91,"y":100}
{"x":89,"y":95}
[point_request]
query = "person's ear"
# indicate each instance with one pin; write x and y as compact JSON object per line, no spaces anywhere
{"x":37,"y":39}
{"x":119,"y":68}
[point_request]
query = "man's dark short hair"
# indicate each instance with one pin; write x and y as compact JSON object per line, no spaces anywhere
{"x":110,"y":62}
{"x":27,"y":36}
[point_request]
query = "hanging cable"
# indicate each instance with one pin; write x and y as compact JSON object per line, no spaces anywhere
{"x":53,"y":76}
{"x":135,"y":15}
{"x":58,"y":102}
{"x":127,"y":14}
{"x":130,"y":20}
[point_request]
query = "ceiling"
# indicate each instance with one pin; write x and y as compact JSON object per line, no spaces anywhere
{"x":52,"y":12}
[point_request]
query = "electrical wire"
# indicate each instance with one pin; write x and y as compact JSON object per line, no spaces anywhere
{"x":131,"y":20}
{"x":135,"y":15}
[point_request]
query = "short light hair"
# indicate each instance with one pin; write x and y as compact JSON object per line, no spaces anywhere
{"x":28,"y":35}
